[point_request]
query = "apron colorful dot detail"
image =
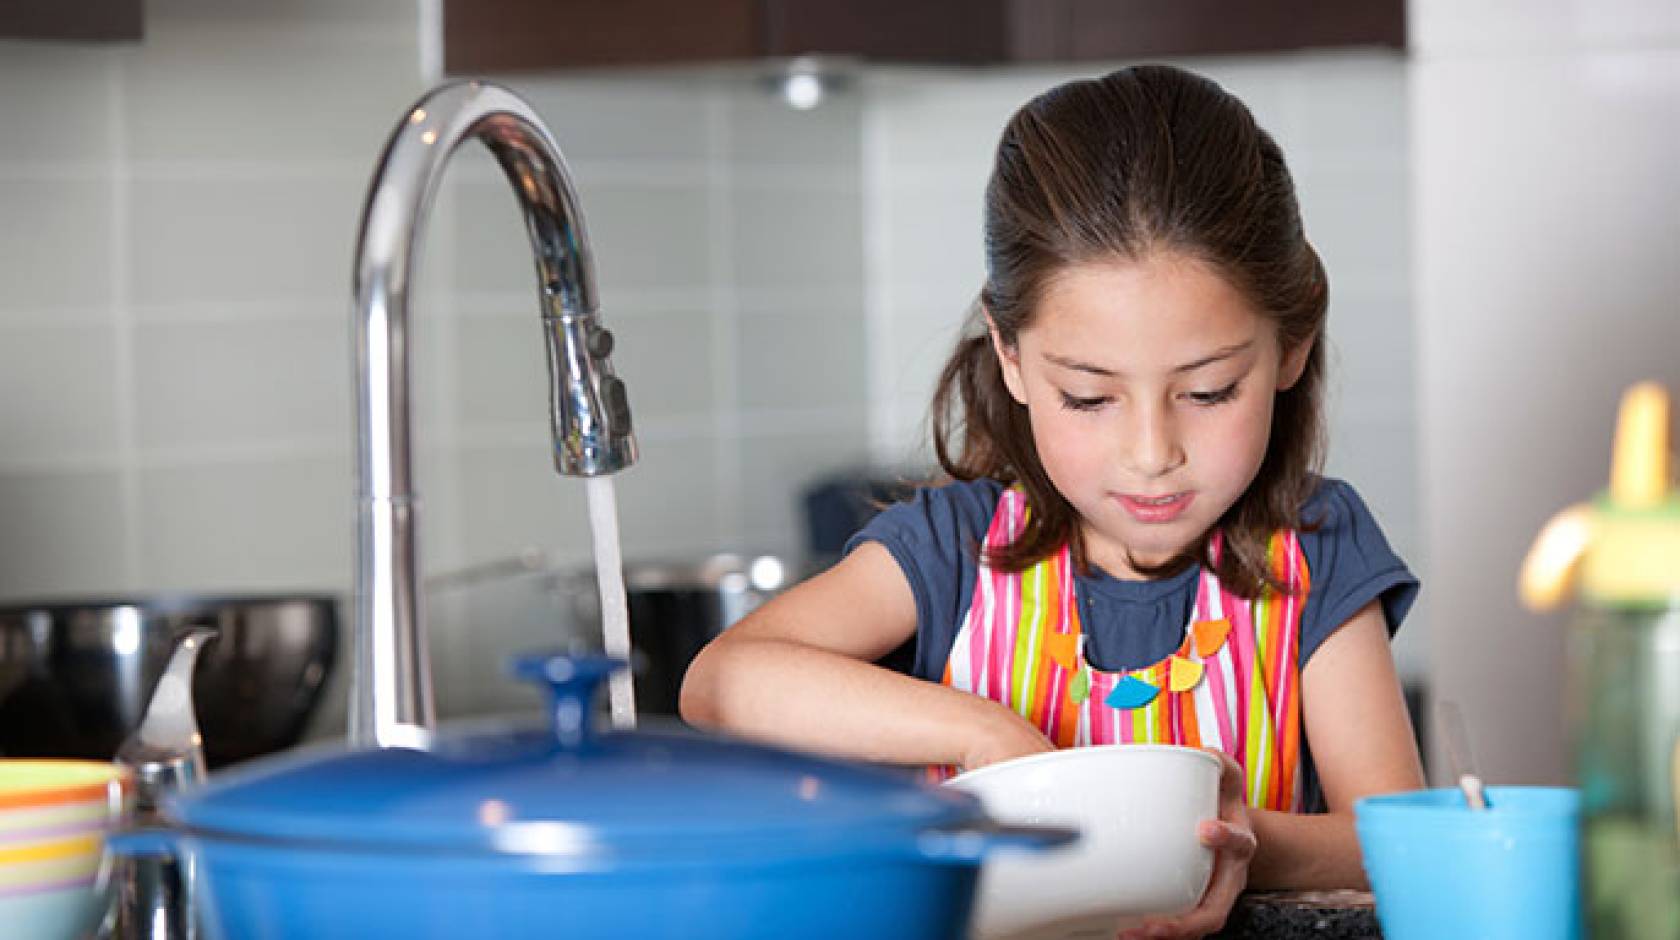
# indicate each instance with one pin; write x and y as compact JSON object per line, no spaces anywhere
{"x":1232,"y":684}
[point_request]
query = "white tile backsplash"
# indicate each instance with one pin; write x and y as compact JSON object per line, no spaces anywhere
{"x":651,"y":235}
{"x":64,"y":532}
{"x":55,"y":245}
{"x":1355,"y":215}
{"x":56,"y":102}
{"x":619,"y":122}
{"x":276,"y":523}
{"x":668,"y":502}
{"x":666,"y":361}
{"x":931,"y":119}
{"x":788,"y":236}
{"x":1371,"y":350}
{"x":512,"y":500}
{"x":196,"y":93}
{"x":239,"y":384}
{"x":1346,"y":108}
{"x":242,"y":236}
{"x":648,"y":235}
{"x":501,"y":365}
{"x":776,"y":469}
{"x":60,"y":391}
{"x":933,"y":234}
{"x":794,"y":362}
{"x":764,"y":130}
{"x":921,"y":356}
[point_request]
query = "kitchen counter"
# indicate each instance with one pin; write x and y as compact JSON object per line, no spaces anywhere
{"x":1310,"y":915}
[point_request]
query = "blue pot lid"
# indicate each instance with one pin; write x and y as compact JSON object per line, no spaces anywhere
{"x":567,"y":792}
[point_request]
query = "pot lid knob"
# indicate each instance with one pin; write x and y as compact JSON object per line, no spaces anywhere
{"x":571,"y":682}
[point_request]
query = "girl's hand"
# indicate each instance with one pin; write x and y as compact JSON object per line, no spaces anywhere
{"x":1000,"y":735}
{"x":1231,"y":837}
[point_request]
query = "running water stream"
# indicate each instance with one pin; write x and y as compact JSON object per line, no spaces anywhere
{"x":615,"y":616}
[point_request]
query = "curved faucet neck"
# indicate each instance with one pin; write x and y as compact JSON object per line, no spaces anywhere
{"x":391,"y":693}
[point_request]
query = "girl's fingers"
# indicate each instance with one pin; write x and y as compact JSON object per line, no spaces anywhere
{"x":1230,"y":876}
{"x":1234,"y":847}
{"x":1235,"y":841}
{"x":1230,"y":774}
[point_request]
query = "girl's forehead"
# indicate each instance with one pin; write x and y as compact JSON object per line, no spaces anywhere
{"x":1164,"y":309}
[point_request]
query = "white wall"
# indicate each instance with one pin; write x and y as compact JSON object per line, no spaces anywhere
{"x":1546,"y":177}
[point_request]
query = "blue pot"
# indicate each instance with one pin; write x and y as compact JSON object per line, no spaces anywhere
{"x":563,"y":832}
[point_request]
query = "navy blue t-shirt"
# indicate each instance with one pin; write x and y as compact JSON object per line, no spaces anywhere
{"x":936,"y":535}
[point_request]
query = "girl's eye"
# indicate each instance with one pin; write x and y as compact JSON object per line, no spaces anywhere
{"x":1218,"y":397}
{"x":1075,"y":403}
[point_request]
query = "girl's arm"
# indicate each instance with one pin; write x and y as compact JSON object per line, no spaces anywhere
{"x":1354,"y":716}
{"x":800,"y":671}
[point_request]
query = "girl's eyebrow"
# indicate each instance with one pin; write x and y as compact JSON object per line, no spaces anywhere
{"x":1218,"y":355}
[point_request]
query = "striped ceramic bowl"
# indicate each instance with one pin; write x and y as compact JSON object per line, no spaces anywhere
{"x":54,"y":815}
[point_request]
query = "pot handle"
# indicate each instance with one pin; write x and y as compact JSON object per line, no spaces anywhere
{"x":968,"y":842}
{"x":571,"y":682}
{"x":144,"y":842}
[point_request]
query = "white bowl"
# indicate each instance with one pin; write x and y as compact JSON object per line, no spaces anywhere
{"x":1137,"y":807}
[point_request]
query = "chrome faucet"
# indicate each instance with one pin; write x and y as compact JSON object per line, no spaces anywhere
{"x":391,"y":691}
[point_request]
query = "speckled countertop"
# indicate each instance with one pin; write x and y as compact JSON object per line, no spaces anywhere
{"x":1310,"y":915}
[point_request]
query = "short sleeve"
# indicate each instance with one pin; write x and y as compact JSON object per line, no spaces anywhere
{"x":935,"y":537}
{"x":1351,"y":564}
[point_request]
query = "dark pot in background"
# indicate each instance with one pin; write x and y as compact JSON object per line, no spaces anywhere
{"x":481,"y":614}
{"x":677,"y":608}
{"x":76,"y":675}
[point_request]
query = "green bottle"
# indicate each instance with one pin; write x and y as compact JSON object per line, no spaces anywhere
{"x":1624,"y":674}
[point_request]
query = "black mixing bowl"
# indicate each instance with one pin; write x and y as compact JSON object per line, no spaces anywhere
{"x":76,"y":675}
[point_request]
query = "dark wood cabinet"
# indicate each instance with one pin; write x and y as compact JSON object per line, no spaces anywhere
{"x":78,"y":21}
{"x":539,"y":35}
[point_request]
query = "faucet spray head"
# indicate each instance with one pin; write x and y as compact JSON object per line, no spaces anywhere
{"x":589,"y":409}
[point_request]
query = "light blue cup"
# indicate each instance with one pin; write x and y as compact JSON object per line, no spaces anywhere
{"x":1439,"y":869}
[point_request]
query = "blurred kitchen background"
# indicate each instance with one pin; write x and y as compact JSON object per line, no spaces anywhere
{"x":1496,"y":199}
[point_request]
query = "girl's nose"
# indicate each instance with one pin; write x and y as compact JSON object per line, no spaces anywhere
{"x":1154,"y":446}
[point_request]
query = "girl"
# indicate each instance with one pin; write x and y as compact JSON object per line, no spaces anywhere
{"x":1134,"y":545}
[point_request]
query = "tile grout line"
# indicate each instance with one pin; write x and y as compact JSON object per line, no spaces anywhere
{"x":127,"y":368}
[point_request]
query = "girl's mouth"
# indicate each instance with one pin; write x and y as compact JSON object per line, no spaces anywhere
{"x":1156,"y":509}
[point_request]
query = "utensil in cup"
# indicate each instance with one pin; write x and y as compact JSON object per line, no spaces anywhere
{"x":1460,"y":756}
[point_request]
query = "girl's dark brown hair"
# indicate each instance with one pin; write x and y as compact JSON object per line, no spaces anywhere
{"x":1142,"y":160}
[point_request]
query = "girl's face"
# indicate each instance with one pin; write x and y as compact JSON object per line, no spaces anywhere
{"x":1150,"y":387}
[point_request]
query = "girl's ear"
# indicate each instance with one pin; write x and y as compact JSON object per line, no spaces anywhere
{"x":1294,"y":363}
{"x":1009,"y":362}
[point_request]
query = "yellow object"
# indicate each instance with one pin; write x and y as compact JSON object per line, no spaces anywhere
{"x":1548,"y":573}
{"x":50,"y":851}
{"x":1639,"y":469}
{"x":1183,"y":674}
{"x":1626,"y":544}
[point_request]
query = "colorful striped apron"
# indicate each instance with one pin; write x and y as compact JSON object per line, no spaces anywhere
{"x":1233,"y":684}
